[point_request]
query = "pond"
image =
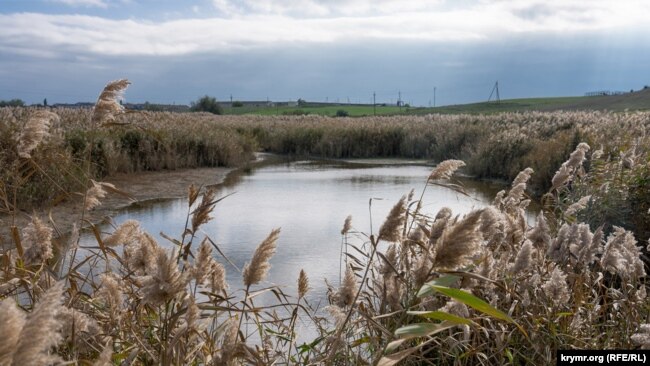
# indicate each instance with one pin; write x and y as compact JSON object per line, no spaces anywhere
{"x":309,"y":201}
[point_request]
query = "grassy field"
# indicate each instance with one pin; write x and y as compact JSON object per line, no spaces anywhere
{"x":485,"y":288}
{"x":507,"y":105}
{"x":328,"y":110}
{"x":639,"y":100}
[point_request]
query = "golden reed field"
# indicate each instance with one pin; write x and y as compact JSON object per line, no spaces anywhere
{"x":483,"y":288}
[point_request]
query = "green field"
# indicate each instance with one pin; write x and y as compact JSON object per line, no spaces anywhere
{"x":508,"y":105}
{"x":353,"y":110}
{"x":639,"y":100}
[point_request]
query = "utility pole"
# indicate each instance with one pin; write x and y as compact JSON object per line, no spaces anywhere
{"x":495,"y":88}
{"x":374,"y":104}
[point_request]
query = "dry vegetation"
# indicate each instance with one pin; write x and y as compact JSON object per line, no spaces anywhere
{"x":485,"y":288}
{"x":76,"y":148}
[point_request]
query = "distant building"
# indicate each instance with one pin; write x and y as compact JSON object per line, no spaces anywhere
{"x":601,"y":93}
{"x":132,"y":106}
{"x":80,"y":105}
{"x":283,"y":104}
{"x":178,"y":108}
{"x":249,"y":103}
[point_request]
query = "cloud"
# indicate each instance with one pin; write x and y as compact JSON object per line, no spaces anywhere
{"x":567,"y":10}
{"x":87,"y":3}
{"x":248,"y":24}
{"x":326,"y":8}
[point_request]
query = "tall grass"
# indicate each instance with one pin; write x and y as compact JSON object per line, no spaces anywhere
{"x":134,"y":142}
{"x":485,"y":288}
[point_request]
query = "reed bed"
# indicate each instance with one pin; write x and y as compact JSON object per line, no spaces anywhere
{"x":485,"y":288}
{"x":492,"y":146}
{"x":133,"y":142}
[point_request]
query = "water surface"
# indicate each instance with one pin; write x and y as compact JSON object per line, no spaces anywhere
{"x":309,"y":201}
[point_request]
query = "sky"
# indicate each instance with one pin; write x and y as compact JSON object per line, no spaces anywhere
{"x":321,"y":50}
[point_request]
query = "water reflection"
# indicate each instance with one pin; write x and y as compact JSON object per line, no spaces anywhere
{"x":309,"y":200}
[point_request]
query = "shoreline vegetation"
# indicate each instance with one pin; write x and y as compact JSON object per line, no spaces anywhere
{"x":484,"y":288}
{"x":494,"y":147}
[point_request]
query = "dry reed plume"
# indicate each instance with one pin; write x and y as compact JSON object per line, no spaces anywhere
{"x":255,"y":271}
{"x":36,"y":129}
{"x":108,"y":105}
{"x":95,"y":193}
{"x":445,"y":169}
{"x":164,"y":282}
{"x":347,"y":225}
{"x":37,"y":242}
{"x":39,"y":333}
{"x":303,"y":284}
{"x":391,"y":229}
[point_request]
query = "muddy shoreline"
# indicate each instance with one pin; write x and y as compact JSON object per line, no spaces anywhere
{"x":142,"y":187}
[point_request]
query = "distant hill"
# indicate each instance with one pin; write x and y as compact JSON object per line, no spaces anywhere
{"x":638,"y":100}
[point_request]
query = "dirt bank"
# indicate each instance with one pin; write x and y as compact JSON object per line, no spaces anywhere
{"x":141,"y":186}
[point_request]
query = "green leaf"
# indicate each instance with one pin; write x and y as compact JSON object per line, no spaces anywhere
{"x":509,"y":355}
{"x":472,"y":301}
{"x":422,"y":329}
{"x":360,"y":341}
{"x":394,"y":345}
{"x":308,"y":347}
{"x":441,"y":315}
{"x":445,"y":281}
{"x":476,"y":303}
